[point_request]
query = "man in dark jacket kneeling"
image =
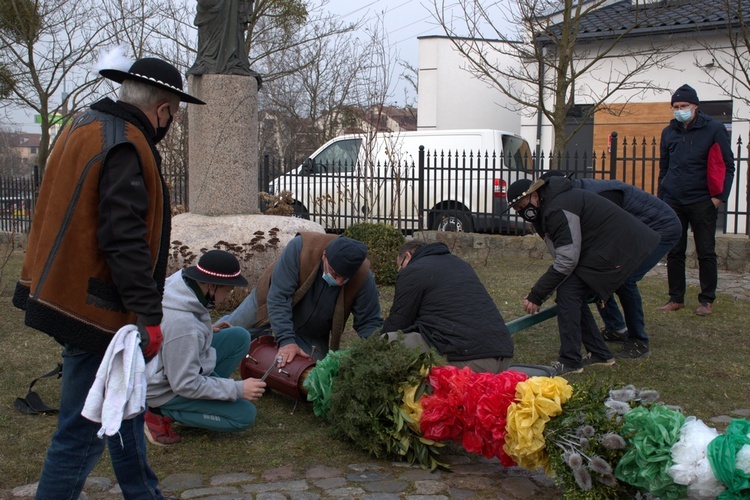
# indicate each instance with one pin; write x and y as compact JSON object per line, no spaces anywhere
{"x":441,"y":304}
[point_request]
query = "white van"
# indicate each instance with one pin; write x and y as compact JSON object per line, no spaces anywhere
{"x":461,"y":186}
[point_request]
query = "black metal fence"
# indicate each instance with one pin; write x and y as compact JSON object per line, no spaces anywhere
{"x":442,"y":190}
{"x":452,"y":191}
{"x":466,"y":191}
{"x":17,"y":202}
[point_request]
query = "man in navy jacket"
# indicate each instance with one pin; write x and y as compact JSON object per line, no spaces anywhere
{"x":696,"y":170}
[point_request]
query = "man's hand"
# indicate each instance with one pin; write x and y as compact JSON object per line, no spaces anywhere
{"x":151,"y":339}
{"x":287,"y":353}
{"x":530,"y":307}
{"x":252,"y":389}
{"x":221,"y":325}
{"x":716,"y":202}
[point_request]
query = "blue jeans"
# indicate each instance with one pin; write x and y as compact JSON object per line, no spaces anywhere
{"x":702,"y":219}
{"x":75,"y":447}
{"x":245,"y":314}
{"x":232,"y":345}
{"x":630,"y":298}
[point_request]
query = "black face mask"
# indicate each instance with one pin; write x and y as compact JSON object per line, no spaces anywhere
{"x":162,"y":131}
{"x":529,"y":213}
{"x":210,"y":300}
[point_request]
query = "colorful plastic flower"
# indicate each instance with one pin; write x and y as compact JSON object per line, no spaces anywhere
{"x":319,"y":382}
{"x":538,"y":400}
{"x":726,"y":454}
{"x":443,"y":410}
{"x":651,"y":433}
{"x":690,"y":462}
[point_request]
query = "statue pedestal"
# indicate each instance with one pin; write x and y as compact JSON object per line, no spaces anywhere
{"x":223,"y":145}
{"x":256,"y":240}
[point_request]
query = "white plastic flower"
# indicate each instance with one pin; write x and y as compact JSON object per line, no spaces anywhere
{"x":690,"y":463}
{"x":743,"y":459}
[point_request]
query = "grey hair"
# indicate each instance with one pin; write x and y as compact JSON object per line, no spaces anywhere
{"x":146,"y":96}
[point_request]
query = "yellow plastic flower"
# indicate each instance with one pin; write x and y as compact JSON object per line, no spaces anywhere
{"x":538,"y":400}
{"x":412,"y":408}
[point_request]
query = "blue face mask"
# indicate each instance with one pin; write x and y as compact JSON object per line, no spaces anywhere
{"x":683,"y":115}
{"x":332,"y":281}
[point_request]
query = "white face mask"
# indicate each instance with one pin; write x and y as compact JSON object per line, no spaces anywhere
{"x":683,"y":115}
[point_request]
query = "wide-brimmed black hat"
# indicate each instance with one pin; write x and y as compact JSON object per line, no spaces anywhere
{"x":217,"y":267}
{"x":522,"y":188}
{"x":154,"y":72}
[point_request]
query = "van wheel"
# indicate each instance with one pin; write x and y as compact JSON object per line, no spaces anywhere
{"x":300,"y":212}
{"x":453,"y":221}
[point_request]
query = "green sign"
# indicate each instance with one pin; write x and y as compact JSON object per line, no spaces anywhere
{"x":55,"y":119}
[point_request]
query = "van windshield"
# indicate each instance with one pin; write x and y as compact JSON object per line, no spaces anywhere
{"x":341,"y":156}
{"x":516,"y":154}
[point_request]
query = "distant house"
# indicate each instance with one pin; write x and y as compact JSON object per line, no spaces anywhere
{"x":354,"y":120}
{"x":25,"y":146}
{"x":18,"y":152}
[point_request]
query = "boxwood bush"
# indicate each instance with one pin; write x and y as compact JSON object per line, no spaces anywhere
{"x":383,"y":242}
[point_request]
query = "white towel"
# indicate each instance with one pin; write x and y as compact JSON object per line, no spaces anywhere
{"x":119,"y":390}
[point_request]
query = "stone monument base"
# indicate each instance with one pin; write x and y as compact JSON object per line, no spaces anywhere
{"x":256,"y":240}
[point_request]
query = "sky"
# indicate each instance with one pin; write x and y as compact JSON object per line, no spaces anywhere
{"x":404,"y":20}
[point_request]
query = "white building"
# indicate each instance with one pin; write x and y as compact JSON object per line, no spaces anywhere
{"x":451,"y":97}
{"x":692,"y":36}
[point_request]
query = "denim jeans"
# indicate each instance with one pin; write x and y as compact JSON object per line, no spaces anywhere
{"x":630,"y":298}
{"x":75,"y":447}
{"x":576,"y":323}
{"x":232,"y":345}
{"x":244,"y":316}
{"x":702,"y":219}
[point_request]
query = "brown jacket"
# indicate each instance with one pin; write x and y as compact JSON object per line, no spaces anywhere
{"x":66,"y":286}
{"x":313,"y":245}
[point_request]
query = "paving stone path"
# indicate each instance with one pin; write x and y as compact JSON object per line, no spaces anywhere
{"x":468,"y":478}
{"x":733,"y":284}
{"x":368,"y":481}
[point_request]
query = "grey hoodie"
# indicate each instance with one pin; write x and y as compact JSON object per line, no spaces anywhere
{"x":186,"y":359}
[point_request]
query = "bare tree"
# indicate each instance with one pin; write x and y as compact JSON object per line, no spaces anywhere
{"x":6,"y":81}
{"x":10,"y":160}
{"x":537,"y":54}
{"x":727,"y":64}
{"x":320,"y":83}
{"x":164,"y":29}
{"x":47,"y":46}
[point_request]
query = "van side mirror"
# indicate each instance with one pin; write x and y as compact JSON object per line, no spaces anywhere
{"x":307,"y":166}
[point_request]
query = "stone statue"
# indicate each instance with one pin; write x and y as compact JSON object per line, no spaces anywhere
{"x":221,"y":38}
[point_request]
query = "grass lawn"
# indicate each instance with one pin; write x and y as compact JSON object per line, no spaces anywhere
{"x":700,"y":364}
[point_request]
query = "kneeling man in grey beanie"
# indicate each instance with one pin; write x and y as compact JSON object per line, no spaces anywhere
{"x":305,"y":298}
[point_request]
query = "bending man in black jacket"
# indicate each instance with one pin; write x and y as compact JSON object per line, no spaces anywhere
{"x":440,"y":303}
{"x":596,"y":246}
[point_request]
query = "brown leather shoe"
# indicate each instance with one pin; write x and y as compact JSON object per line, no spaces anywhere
{"x":671,"y":306}
{"x":704,"y":309}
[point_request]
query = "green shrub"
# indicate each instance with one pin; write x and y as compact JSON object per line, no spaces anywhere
{"x":383,"y":242}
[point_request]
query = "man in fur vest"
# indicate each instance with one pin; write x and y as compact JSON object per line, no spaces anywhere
{"x":96,"y":261}
{"x":307,"y":295}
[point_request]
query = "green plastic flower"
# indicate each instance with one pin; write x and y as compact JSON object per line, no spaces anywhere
{"x":650,"y":435}
{"x":319,"y":382}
